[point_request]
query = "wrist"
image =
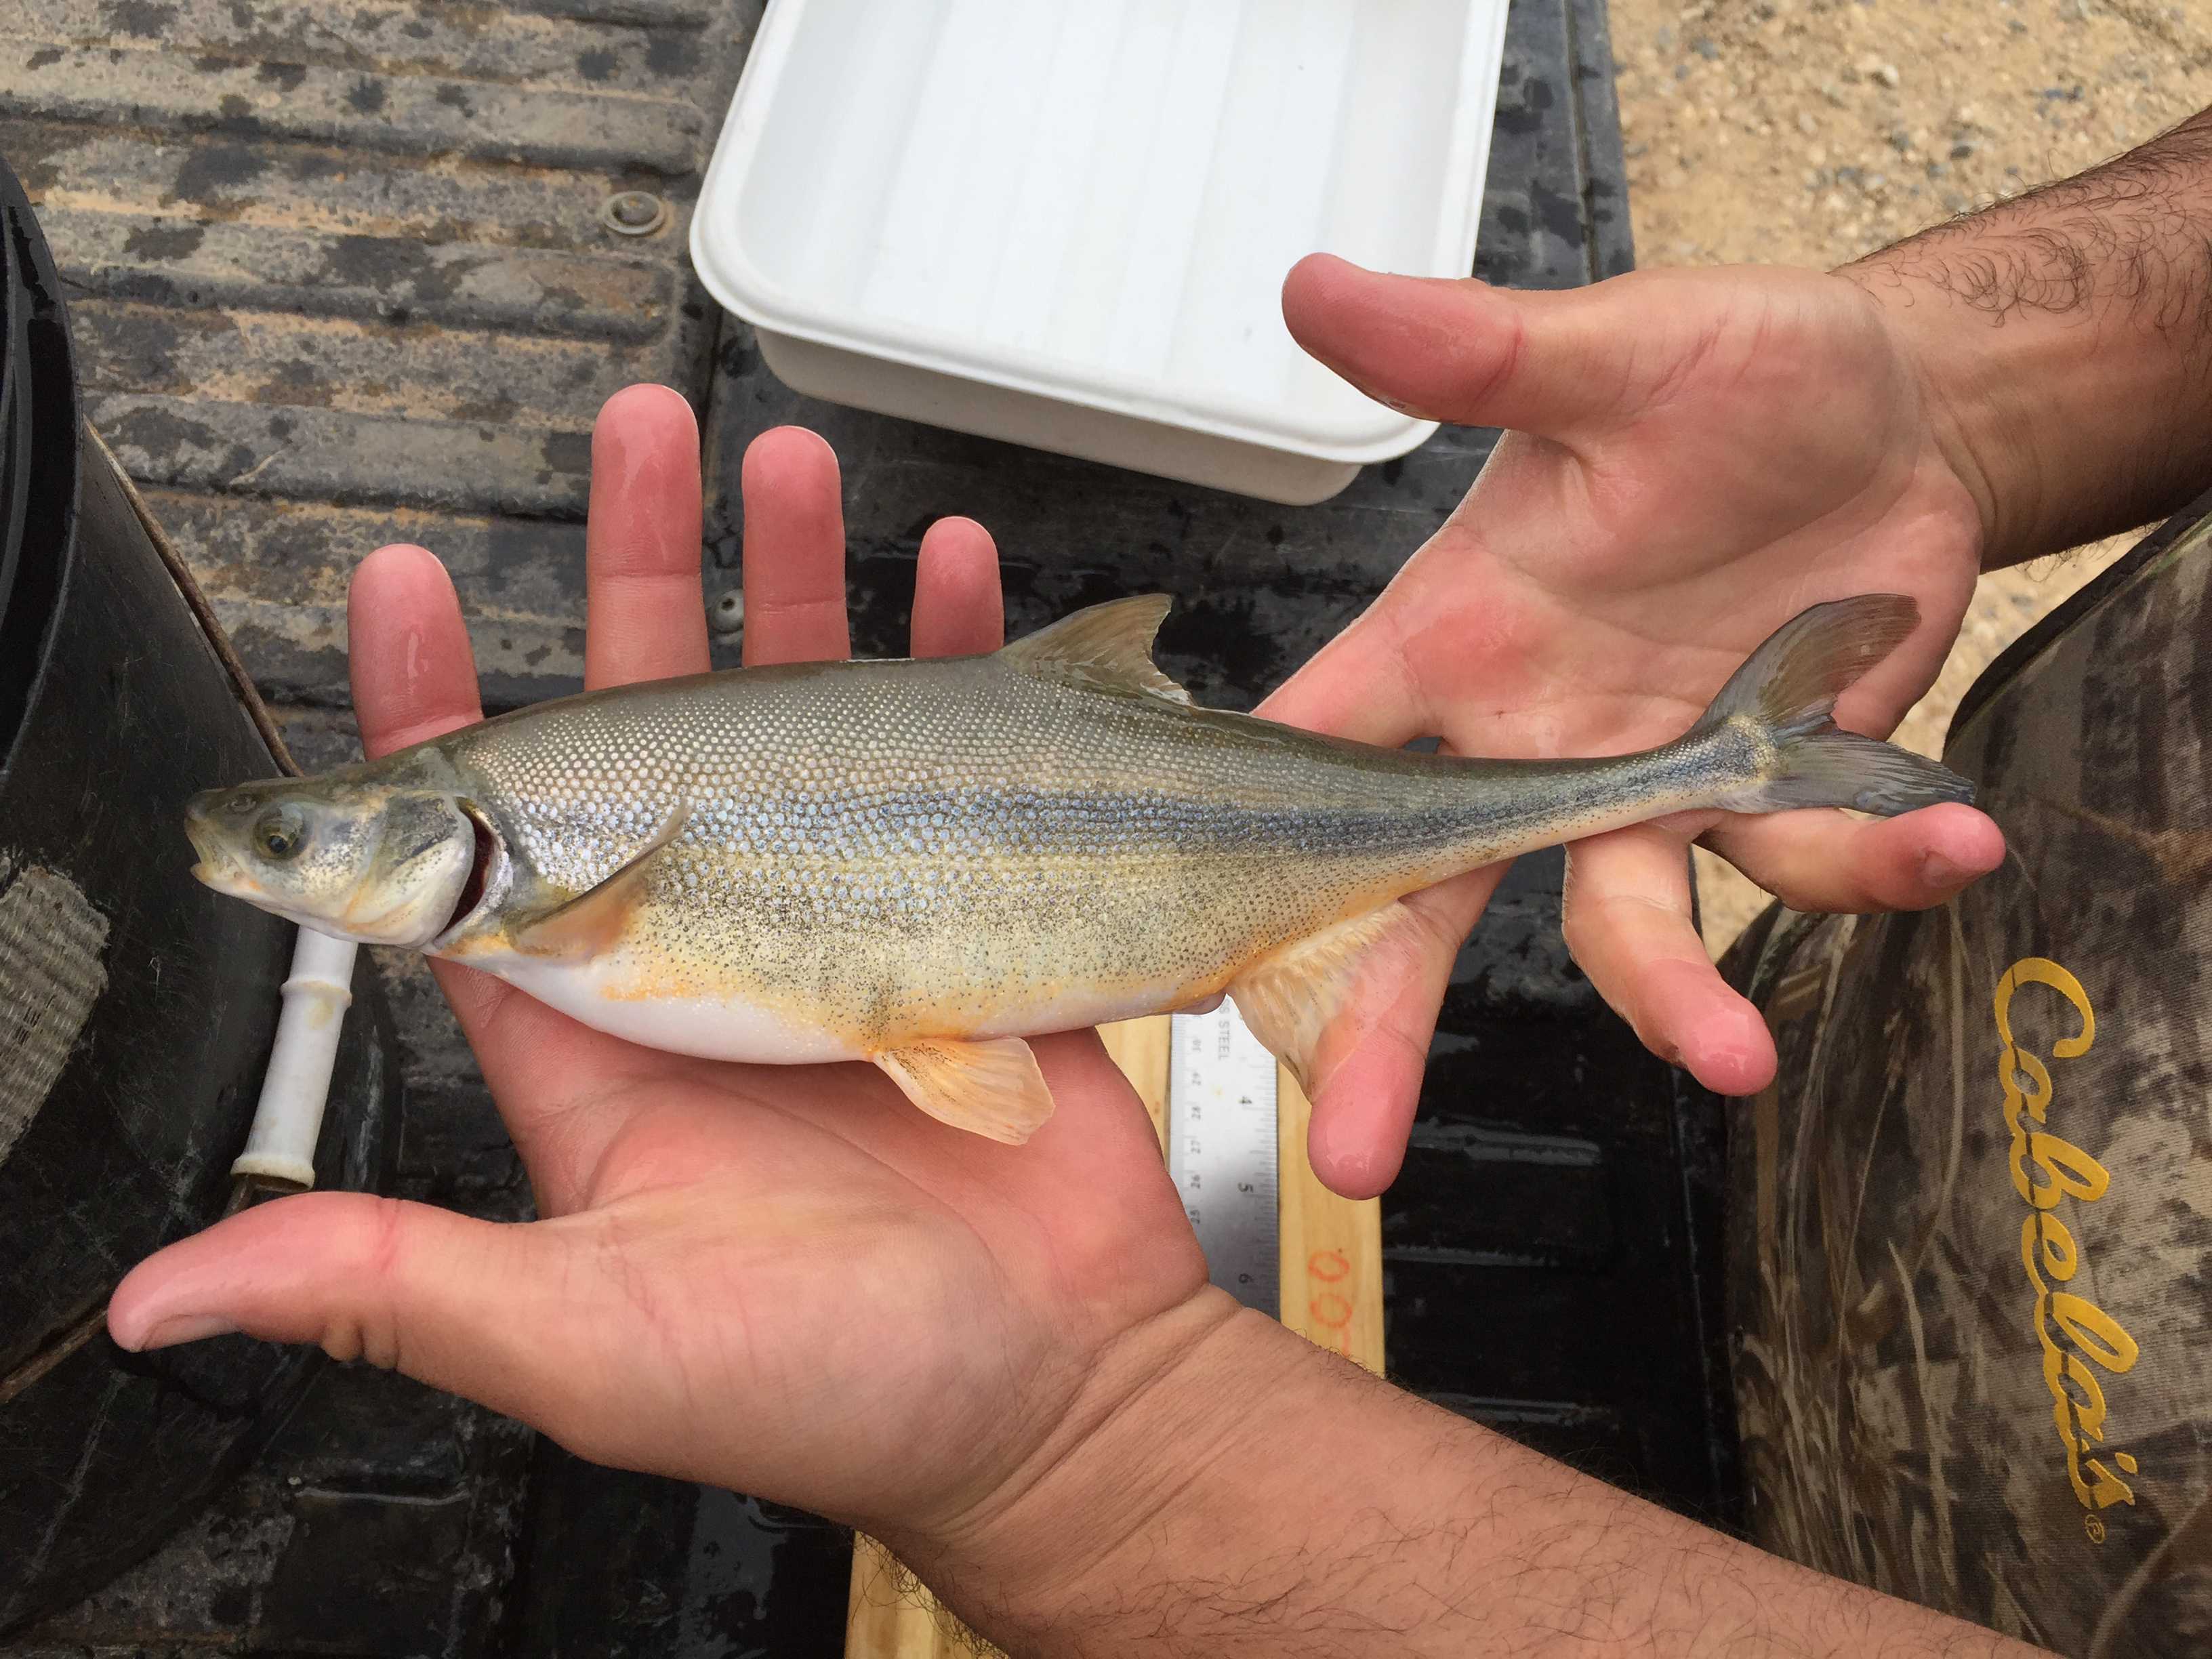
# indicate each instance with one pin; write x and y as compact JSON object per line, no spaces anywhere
{"x":1992,"y":390}
{"x":2061,"y":342}
{"x":1222,"y":1486}
{"x":1160,"y":1395}
{"x":1962,"y":409}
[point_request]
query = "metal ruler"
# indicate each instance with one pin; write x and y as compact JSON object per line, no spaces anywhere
{"x":1221,"y":1139}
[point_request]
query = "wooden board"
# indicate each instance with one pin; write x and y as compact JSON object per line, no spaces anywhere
{"x":1330,"y":1255}
{"x":1331,"y":1261}
{"x":891,"y":1615}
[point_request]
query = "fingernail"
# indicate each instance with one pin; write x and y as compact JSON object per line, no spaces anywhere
{"x":1387,"y":400}
{"x":1937,"y":871}
{"x":187,"y":1327}
{"x":1403,"y":407}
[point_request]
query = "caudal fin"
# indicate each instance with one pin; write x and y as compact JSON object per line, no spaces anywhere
{"x":1788,"y":690}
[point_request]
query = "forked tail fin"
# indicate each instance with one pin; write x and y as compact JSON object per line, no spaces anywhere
{"x":1786,"y":689}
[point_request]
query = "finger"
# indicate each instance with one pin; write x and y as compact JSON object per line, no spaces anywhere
{"x":462,"y":1304}
{"x":414,"y":678}
{"x":1828,"y":862}
{"x":958,"y":608}
{"x":1627,"y":924}
{"x":794,"y":550}
{"x":1367,"y":1068}
{"x":407,"y":651}
{"x":1458,"y":349}
{"x":645,"y":616}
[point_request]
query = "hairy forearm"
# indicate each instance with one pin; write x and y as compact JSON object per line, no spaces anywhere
{"x":2066,"y":335}
{"x":1229,"y":1490}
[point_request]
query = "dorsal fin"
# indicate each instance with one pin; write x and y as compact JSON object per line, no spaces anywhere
{"x":1107,"y":645}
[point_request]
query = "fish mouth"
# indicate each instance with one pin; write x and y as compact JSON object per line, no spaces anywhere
{"x":218,"y":867}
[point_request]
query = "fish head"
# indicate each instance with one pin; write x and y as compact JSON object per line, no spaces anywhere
{"x":352,"y":858}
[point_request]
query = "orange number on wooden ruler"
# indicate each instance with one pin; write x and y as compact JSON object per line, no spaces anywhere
{"x":1332,"y":1246}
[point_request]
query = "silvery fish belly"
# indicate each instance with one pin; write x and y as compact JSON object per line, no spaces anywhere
{"x":921,"y":863}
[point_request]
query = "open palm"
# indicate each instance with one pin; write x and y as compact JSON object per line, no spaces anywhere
{"x":785,"y":1279}
{"x":1693,"y":457}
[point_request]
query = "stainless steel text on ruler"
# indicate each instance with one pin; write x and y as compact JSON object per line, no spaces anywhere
{"x":1221,"y":1150}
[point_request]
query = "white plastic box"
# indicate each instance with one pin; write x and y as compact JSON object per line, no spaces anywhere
{"x":1066,"y":222}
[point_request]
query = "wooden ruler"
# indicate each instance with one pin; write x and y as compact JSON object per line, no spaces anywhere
{"x":891,"y":1615}
{"x":1329,"y":1265}
{"x":1331,"y":1260}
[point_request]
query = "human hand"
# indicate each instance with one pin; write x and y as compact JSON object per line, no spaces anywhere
{"x":782,"y":1279}
{"x":1694,"y":457}
{"x":1003,"y":1361}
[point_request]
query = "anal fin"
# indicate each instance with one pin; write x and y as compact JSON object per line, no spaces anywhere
{"x":992,"y":1088}
{"x":593,"y":922}
{"x":1289,"y":999}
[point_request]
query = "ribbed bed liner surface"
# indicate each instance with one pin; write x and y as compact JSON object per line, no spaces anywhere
{"x":353,"y":256}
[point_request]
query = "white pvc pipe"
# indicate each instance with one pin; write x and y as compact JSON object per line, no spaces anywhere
{"x":290,"y":1119}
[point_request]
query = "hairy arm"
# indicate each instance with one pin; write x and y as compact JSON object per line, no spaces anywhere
{"x":2066,"y":335}
{"x":1223,"y":1488}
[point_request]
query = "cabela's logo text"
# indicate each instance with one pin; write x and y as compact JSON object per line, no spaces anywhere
{"x":2079,"y":1338}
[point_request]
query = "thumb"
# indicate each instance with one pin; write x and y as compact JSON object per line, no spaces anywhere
{"x":1459,"y":350}
{"x":445,"y":1299}
{"x":1369,"y":1064}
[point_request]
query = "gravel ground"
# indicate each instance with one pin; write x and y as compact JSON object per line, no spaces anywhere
{"x":1809,"y":132}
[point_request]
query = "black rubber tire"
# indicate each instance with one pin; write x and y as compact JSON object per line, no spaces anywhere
{"x":137,"y":1007}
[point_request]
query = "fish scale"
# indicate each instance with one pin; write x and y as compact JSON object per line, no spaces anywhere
{"x":921,"y":863}
{"x":855,"y":856}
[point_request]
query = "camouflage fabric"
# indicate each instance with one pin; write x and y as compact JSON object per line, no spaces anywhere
{"x":1971,"y":1223}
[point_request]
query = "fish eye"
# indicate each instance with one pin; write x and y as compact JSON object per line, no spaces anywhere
{"x":279,"y":833}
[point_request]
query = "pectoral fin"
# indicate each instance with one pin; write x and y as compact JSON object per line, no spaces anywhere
{"x":592,"y":923}
{"x":992,"y":1088}
{"x":1290,"y":997}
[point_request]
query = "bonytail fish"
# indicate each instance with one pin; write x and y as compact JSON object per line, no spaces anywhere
{"x":921,"y":863}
